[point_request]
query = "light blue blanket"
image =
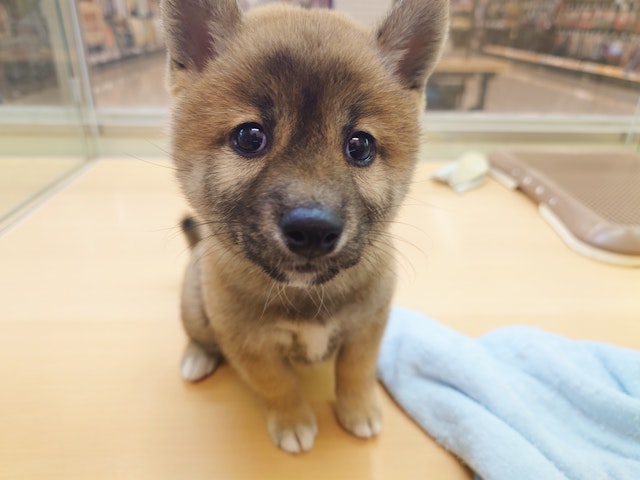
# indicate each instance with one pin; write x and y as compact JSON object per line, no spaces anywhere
{"x":518,"y":403}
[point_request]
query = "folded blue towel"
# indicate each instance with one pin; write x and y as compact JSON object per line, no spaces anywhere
{"x":518,"y":403}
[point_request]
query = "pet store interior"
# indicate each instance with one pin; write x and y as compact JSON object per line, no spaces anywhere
{"x":533,"y":104}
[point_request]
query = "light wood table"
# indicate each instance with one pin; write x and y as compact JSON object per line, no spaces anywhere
{"x":90,"y":338}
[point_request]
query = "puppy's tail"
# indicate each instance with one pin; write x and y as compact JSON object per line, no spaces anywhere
{"x":191,"y":230}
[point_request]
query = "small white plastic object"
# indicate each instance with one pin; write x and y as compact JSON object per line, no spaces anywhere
{"x":468,"y":171}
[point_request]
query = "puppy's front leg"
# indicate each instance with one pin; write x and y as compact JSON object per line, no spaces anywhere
{"x":290,"y":422}
{"x":357,"y":407}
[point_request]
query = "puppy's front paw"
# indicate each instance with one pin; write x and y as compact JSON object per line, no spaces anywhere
{"x":197,"y":364}
{"x":293,"y":433}
{"x":363,"y":423}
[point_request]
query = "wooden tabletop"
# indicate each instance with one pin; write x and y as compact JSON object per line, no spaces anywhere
{"x":90,"y":338}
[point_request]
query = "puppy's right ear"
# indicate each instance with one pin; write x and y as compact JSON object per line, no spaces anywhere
{"x":196,"y":31}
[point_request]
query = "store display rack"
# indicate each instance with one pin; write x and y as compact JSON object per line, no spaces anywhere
{"x":462,"y":21}
{"x":118,"y":29}
{"x":26,"y":59}
{"x":596,"y":37}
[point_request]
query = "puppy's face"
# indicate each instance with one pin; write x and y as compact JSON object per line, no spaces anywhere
{"x":295,"y":132}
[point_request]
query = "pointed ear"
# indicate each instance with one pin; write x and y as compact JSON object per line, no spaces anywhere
{"x":196,"y":30}
{"x":411,"y":39}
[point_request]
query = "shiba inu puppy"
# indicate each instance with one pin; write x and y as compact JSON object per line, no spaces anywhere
{"x":294,"y":137}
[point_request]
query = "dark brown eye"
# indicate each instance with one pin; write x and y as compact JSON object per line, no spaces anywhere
{"x":249,"y":139}
{"x":361,"y":149}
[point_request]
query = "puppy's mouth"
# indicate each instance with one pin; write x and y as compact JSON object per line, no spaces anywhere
{"x":306,"y":273}
{"x":305,"y":246}
{"x":306,"y":268}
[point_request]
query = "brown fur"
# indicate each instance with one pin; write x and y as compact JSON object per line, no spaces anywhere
{"x":310,"y":78}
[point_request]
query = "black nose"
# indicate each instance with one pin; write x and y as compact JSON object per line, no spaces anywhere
{"x":311,"y":232}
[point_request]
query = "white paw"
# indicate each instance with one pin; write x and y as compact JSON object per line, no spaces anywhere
{"x":197,"y":364}
{"x":365,"y":424}
{"x":295,"y":439}
{"x":366,"y":428}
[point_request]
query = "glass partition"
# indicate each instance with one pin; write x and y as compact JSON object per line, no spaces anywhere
{"x":504,"y":56}
{"x":520,"y":70}
{"x":43,"y":119}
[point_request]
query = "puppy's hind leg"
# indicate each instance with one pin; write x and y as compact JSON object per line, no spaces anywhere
{"x":202,"y":355}
{"x":197,"y":364}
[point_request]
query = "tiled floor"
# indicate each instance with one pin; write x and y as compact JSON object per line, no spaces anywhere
{"x":533,"y":89}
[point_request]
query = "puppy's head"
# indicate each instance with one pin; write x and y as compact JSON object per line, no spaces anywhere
{"x":295,"y":131}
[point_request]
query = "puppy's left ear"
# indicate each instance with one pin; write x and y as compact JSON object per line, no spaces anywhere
{"x":411,"y":39}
